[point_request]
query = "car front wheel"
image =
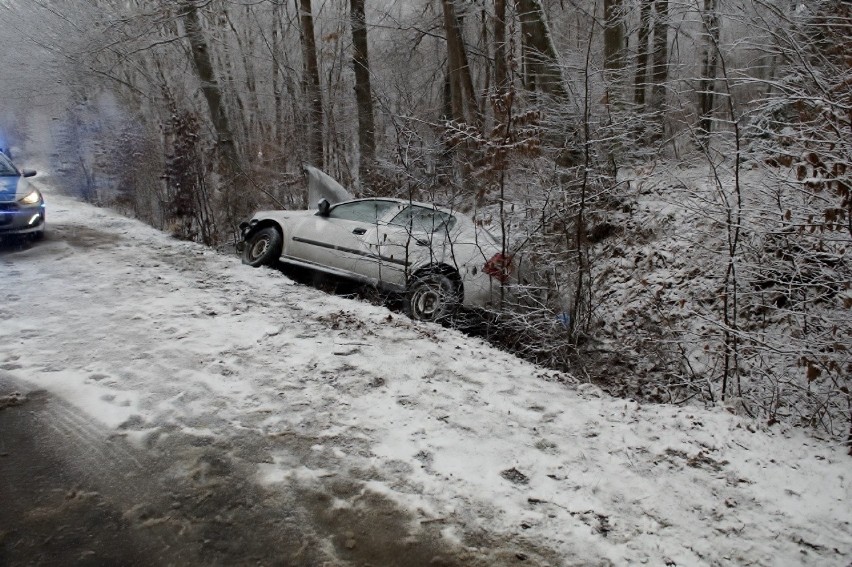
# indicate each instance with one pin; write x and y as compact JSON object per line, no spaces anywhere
{"x":432,"y":297}
{"x":263,"y":248}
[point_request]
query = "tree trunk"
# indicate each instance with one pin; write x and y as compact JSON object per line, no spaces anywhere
{"x":641,"y":78}
{"x":453,"y":63}
{"x":312,"y":84}
{"x":232,"y":95}
{"x":461,"y":82}
{"x":363,"y":92}
{"x":541,"y":62}
{"x":209,"y":87}
{"x":276,"y":80}
{"x":707,"y":83}
{"x":254,"y":128}
{"x":484,"y":45}
{"x":660,"y":72}
{"x":500,"y":69}
{"x":614,"y":56}
{"x":473,"y":110}
{"x":613,"y":36}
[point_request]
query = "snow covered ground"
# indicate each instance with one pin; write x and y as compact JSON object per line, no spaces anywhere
{"x":155,"y":339}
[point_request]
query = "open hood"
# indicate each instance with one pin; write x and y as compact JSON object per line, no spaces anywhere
{"x":323,"y":186}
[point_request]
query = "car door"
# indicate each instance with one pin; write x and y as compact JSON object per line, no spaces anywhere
{"x":414,"y":237}
{"x":345,"y":240}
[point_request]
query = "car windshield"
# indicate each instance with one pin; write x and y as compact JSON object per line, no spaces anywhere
{"x":424,"y":219}
{"x":6,"y":167}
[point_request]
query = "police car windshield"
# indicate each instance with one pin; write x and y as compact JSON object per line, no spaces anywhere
{"x":6,"y":167}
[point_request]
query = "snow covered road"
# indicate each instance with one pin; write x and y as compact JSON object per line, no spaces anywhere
{"x":322,"y":429}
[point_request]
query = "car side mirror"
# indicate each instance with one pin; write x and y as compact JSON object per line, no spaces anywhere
{"x":28,"y":172}
{"x":323,"y":206}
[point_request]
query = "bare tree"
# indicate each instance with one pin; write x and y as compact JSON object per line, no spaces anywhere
{"x":542,"y":70}
{"x":500,"y":69}
{"x":463,"y":103}
{"x":660,"y":70}
{"x":614,"y":54}
{"x":363,"y":91}
{"x":275,"y":48}
{"x":710,"y":62}
{"x":209,"y":87}
{"x":640,"y":81}
{"x":312,"y":83}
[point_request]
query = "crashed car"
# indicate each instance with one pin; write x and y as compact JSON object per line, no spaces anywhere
{"x":22,"y":209}
{"x":438,"y":258}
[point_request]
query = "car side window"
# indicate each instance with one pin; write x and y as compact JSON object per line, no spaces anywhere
{"x":424,"y":219}
{"x":369,"y":211}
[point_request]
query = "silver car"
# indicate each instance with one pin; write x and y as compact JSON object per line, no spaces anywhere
{"x":437,"y":257}
{"x":22,"y":210}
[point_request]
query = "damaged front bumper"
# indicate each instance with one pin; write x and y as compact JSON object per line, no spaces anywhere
{"x":246,"y":229}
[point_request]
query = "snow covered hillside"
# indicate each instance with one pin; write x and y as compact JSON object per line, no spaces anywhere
{"x":491,"y":460}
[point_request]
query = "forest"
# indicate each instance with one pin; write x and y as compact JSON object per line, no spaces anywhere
{"x":673,"y":178}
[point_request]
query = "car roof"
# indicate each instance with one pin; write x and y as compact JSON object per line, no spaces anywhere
{"x":406,"y":202}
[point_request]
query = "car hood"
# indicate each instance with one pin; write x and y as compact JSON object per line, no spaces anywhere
{"x":13,"y":187}
{"x":323,"y":186}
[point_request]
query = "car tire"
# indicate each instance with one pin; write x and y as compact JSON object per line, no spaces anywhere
{"x":432,"y":297}
{"x":263,"y":247}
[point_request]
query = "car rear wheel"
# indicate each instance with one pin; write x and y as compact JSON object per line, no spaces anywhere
{"x":263,"y":248}
{"x":432,"y":297}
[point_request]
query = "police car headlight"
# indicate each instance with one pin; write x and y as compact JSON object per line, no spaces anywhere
{"x":31,"y":198}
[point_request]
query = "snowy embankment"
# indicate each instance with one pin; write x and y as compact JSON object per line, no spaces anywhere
{"x":149,"y":336}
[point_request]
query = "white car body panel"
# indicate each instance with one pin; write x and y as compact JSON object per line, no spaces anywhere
{"x":384,"y":254}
